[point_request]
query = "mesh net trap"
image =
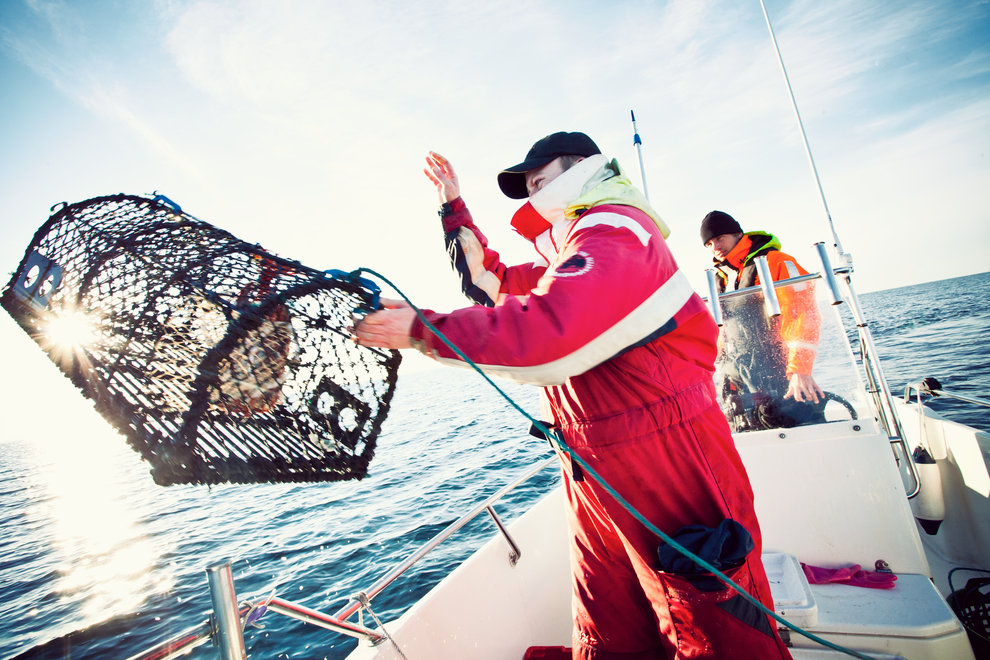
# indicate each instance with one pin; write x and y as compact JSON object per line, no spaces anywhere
{"x":218,"y":361}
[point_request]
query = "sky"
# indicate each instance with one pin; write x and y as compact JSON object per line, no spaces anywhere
{"x":302,"y":125}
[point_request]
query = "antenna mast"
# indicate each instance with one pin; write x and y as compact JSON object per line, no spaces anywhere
{"x":639,"y":150}
{"x":807,"y":147}
{"x":878,"y":386}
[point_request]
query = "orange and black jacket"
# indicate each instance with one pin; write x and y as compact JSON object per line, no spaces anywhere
{"x":796,"y":331}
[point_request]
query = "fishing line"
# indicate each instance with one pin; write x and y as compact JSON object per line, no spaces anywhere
{"x":557,"y":441}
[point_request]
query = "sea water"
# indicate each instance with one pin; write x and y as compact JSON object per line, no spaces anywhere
{"x":98,"y":562}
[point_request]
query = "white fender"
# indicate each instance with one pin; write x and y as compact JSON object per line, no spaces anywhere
{"x":929,"y":504}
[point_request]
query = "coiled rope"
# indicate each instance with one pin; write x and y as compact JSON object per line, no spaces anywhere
{"x":558,"y":443}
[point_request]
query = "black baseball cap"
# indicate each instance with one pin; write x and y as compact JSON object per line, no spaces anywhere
{"x":512,"y":180}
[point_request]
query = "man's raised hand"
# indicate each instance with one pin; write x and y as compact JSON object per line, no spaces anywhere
{"x":441,"y":173}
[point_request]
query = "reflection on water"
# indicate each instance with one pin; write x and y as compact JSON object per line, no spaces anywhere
{"x":106,"y":565}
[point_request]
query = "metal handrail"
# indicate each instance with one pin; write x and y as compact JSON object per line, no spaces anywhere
{"x":776,"y":285}
{"x":877,"y":382}
{"x":338,"y":622}
{"x":354,"y":605}
{"x":933,"y":388}
{"x":179,"y":645}
{"x":317,"y":618}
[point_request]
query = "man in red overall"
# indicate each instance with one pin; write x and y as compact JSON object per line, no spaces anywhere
{"x":605,"y":321}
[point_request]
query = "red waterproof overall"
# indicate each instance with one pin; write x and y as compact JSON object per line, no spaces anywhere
{"x":625,"y":350}
{"x":686,"y":473}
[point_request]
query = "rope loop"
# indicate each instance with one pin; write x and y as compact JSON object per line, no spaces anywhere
{"x":354,"y":276}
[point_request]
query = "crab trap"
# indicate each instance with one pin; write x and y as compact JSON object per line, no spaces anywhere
{"x":218,"y":361}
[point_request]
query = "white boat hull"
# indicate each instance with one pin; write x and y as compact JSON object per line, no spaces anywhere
{"x":829,"y":495}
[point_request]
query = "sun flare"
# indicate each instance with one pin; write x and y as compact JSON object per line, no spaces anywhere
{"x":70,"y":329}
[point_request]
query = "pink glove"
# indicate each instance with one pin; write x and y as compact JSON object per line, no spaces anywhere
{"x":819,"y":575}
{"x":872,"y":580}
{"x":852,"y":575}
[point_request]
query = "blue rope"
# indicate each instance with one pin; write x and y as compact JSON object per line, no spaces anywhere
{"x":354,"y":277}
{"x":557,"y":441}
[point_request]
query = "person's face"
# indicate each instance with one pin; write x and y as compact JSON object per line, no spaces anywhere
{"x":541,"y":176}
{"x":722,"y":245}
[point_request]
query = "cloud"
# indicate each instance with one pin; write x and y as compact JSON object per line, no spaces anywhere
{"x":60,"y":49}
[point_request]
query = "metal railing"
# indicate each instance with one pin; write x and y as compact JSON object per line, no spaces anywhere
{"x":876,"y":381}
{"x":226,"y":626}
{"x":759,"y":287}
{"x":931,"y":387}
{"x":483,"y":507}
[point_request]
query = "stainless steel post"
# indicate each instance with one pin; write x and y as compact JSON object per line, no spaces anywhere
{"x":713,"y":302}
{"x":766,"y":283}
{"x":829,"y":274}
{"x":225,"y":612}
{"x":514,"y":552}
